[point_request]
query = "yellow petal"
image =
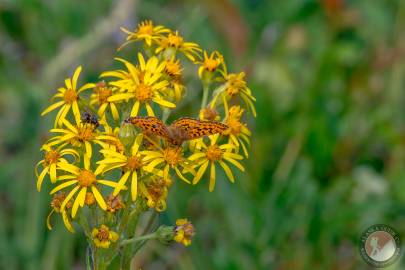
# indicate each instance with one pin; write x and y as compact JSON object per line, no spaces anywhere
{"x":53,"y":107}
{"x":52,"y":172}
{"x":75,"y":77}
{"x":88,"y":149}
{"x":121,"y":183}
{"x":200,"y":172}
{"x":149,"y":110}
{"x":76,"y":112}
{"x":212,"y":177}
{"x":66,"y":222}
{"x":78,"y":200}
{"x":48,"y":220}
{"x":62,"y":186}
{"x":134,"y":185}
{"x":68,"y":197}
{"x":180,"y":175}
{"x":164,"y":103}
{"x":69,"y":168}
{"x":41,"y":178}
{"x":99,"y":198}
{"x":227,"y":170}
{"x":234,"y":162}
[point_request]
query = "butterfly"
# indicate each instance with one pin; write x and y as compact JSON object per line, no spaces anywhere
{"x":180,"y":130}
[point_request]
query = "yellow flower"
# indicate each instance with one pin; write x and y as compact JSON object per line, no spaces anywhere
{"x":100,"y":95}
{"x":170,"y":157}
{"x":209,"y":114}
{"x":115,"y":144}
{"x":237,"y":132}
{"x":51,"y":161}
{"x":235,"y":85}
{"x":212,"y":154}
{"x":155,"y":190}
{"x":114,"y":203}
{"x":173,"y":42}
{"x":210,"y":63}
{"x":56,"y":207}
{"x":183,"y":231}
{"x":145,"y":85}
{"x":132,"y":165}
{"x":68,"y":95}
{"x":146,"y":31}
{"x":83,"y":180}
{"x":79,"y":135}
{"x":174,"y":70}
{"x":103,"y":236}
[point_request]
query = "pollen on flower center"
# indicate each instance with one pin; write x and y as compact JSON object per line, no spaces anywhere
{"x":86,"y":133}
{"x":235,"y":126}
{"x":235,"y":83}
{"x":143,"y":92}
{"x":172,"y":155}
{"x":175,"y":40}
{"x":86,"y":178}
{"x":145,"y":28}
{"x":134,"y":163}
{"x":103,"y":233}
{"x":52,"y":156}
{"x":70,"y":96}
{"x":103,"y":94}
{"x":210,"y":64}
{"x":214,"y":153}
{"x":173,"y":69}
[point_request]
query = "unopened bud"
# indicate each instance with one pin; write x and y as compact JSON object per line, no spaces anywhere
{"x":127,"y":133}
{"x":165,"y":234}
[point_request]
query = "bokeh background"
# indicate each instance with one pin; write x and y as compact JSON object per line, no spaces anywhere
{"x":328,"y":143}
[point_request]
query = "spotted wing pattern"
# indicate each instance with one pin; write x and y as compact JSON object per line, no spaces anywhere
{"x":195,"y":128}
{"x":150,"y":124}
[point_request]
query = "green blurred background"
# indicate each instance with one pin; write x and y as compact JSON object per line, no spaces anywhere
{"x":328,"y":143}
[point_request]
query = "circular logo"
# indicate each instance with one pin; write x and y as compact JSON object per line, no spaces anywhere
{"x":380,"y":245}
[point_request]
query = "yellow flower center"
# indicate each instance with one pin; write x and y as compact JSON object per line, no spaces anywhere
{"x":86,"y":133}
{"x":57,"y":201}
{"x":143,"y":92}
{"x":114,"y":203}
{"x":86,"y":178}
{"x":103,"y":234}
{"x":145,"y":28}
{"x":173,"y":68}
{"x":103,"y":94}
{"x":52,"y":156}
{"x":210,"y":64}
{"x":70,"y":96}
{"x":172,"y":155}
{"x":235,"y":83}
{"x":89,"y":199}
{"x":234,"y":125}
{"x":174,"y":40}
{"x":134,"y":163}
{"x":208,"y":114}
{"x":214,"y":153}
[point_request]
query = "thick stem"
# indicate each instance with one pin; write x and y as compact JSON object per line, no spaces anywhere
{"x":205,"y":95}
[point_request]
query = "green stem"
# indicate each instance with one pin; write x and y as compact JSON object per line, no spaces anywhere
{"x":205,"y":95}
{"x":138,"y":239}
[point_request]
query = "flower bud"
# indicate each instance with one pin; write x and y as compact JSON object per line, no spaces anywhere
{"x":127,"y":134}
{"x":165,"y":234}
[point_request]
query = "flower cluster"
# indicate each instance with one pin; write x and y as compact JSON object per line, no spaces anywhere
{"x":105,"y":170}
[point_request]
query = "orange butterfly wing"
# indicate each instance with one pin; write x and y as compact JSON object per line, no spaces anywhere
{"x":195,"y":128}
{"x":150,"y":124}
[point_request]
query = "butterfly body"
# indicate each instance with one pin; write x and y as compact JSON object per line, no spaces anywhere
{"x":180,"y":130}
